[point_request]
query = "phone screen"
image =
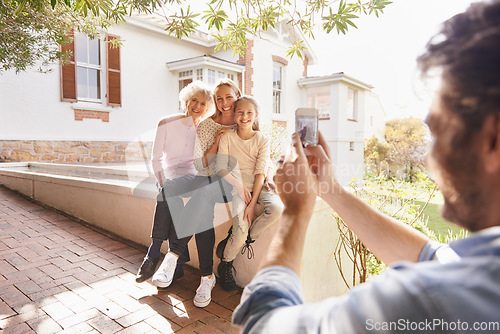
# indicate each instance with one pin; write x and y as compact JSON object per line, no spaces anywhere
{"x":307,"y":128}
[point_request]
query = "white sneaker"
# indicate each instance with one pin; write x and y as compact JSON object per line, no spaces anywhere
{"x":204,"y":291}
{"x":165,"y":274}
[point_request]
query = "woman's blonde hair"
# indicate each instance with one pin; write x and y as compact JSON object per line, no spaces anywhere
{"x":193,"y":88}
{"x":251,"y":99}
{"x":232,"y":85}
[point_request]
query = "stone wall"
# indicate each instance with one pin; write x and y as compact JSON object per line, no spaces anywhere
{"x":73,"y":151}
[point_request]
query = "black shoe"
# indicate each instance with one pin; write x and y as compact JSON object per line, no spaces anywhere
{"x":147,"y":269}
{"x":225,"y":271}
{"x":178,"y":274}
{"x":248,"y":248}
{"x":222,"y":245}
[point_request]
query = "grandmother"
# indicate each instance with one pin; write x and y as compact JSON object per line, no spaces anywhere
{"x":172,"y":160}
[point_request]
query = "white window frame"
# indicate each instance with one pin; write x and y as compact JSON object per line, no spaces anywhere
{"x":278,"y":110}
{"x":100,"y":68}
{"x":315,"y":92}
{"x":204,"y":74}
{"x":352,"y":111}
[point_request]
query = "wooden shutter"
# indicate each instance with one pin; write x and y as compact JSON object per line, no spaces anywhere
{"x":68,"y":74}
{"x":113,"y":75}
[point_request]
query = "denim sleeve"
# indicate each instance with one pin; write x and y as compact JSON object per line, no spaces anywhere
{"x":273,"y":287}
{"x":439,"y":252}
{"x":273,"y":303}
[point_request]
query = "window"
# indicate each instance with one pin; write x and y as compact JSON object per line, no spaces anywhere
{"x":199,"y":74}
{"x":89,"y":76}
{"x":88,"y":68}
{"x":351,"y":146}
{"x":277,"y":88}
{"x":185,"y":78}
{"x":319,"y":98}
{"x":211,"y":77}
{"x":352,"y":104}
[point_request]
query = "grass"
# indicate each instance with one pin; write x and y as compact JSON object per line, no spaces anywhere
{"x":436,"y":221}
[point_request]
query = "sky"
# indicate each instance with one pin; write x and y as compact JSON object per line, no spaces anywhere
{"x":382,"y":51}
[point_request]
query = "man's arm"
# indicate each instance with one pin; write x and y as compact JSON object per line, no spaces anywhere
{"x":389,"y":239}
{"x":288,"y":244}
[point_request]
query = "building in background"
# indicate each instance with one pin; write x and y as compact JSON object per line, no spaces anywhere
{"x":105,"y":104}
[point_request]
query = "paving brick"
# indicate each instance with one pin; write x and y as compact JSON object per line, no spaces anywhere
{"x":5,"y":311}
{"x":129,"y":303}
{"x":209,"y":329}
{"x":58,"y":311}
{"x":194,"y":327}
{"x":166,"y":310}
{"x":225,"y":326}
{"x":162,"y":324}
{"x":37,"y":296}
{"x":6,"y":267}
{"x":80,"y":328}
{"x":104,"y":324}
{"x":219,"y":310}
{"x":79,"y":318}
{"x":16,"y":329}
{"x":27,"y":287}
{"x":231,"y":302}
{"x":112,"y":310}
{"x":44,"y":325}
{"x":69,"y":298}
{"x":140,"y":327}
{"x":14,"y":297}
{"x":136,"y":317}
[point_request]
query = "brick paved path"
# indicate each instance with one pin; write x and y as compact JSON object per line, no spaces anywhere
{"x":57,"y":275}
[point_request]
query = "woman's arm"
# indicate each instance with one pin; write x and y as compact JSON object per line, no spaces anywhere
{"x":212,"y":151}
{"x":158,"y":151}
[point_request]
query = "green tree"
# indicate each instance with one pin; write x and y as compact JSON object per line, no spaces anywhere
{"x":376,"y":153}
{"x":30,"y":31}
{"x":403,"y":151}
{"x":409,"y":140}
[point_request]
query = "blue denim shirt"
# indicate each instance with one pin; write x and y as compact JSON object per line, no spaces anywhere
{"x":453,"y":289}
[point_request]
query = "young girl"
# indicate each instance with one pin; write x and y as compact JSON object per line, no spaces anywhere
{"x":249,"y":150}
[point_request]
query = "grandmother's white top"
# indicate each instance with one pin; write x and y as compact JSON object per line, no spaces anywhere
{"x":173,"y":147}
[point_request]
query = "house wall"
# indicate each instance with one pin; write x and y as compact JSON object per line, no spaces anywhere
{"x":262,"y":90}
{"x":31,"y":108}
{"x":374,"y":117}
{"x":339,"y":132}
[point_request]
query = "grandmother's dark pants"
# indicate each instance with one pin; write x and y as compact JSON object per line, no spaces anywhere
{"x":197,"y":218}
{"x":169,"y":209}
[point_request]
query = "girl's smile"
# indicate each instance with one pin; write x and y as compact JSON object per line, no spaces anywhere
{"x":245,"y":114}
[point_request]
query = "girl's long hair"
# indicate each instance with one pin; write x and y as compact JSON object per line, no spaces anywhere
{"x":248,"y":98}
{"x":232,"y":85}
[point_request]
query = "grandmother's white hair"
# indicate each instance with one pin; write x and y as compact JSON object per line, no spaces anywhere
{"x":193,"y":88}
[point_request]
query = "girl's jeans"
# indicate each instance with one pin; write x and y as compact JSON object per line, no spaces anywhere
{"x":273,"y":207}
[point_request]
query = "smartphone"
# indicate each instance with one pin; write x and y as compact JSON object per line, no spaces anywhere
{"x":306,"y":124}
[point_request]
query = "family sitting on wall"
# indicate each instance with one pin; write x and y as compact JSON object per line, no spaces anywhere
{"x":211,"y":160}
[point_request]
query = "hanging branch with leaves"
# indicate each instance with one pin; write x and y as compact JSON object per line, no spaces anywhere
{"x":30,"y":31}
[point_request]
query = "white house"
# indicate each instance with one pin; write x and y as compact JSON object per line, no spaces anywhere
{"x":342,"y":104}
{"x":94,"y":108}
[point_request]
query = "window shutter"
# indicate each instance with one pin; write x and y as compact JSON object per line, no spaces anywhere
{"x":113,"y":85}
{"x":68,"y":74}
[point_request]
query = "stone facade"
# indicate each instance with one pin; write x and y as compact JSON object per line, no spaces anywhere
{"x":73,"y":151}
